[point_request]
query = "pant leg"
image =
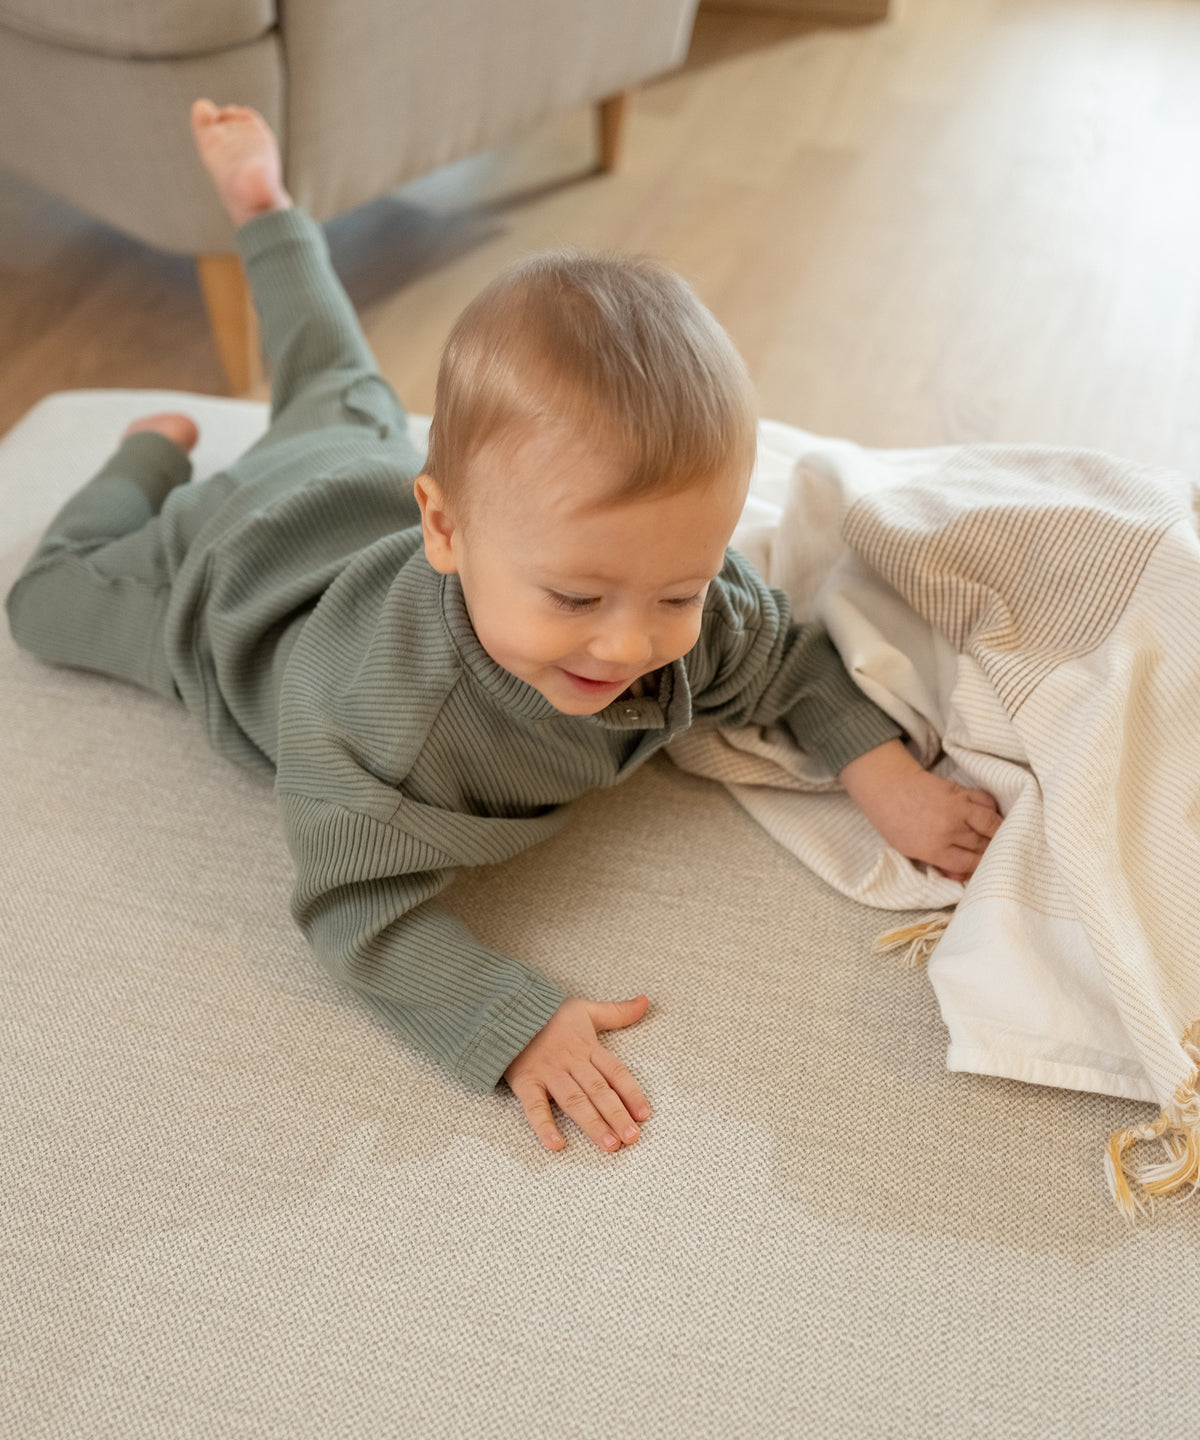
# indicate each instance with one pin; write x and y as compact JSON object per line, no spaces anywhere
{"x":94,"y":594}
{"x":323,"y":372}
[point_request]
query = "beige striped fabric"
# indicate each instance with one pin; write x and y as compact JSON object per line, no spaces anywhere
{"x":1039,"y":610}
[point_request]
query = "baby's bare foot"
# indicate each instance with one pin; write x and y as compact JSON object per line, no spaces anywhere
{"x":241,"y":155}
{"x":180,"y":428}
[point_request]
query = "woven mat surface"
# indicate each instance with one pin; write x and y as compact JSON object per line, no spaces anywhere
{"x":235,"y":1205}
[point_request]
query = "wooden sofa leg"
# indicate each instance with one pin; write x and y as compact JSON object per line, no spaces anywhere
{"x":613,"y":114}
{"x":232,"y":320}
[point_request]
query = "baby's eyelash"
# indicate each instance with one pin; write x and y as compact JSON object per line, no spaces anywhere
{"x":571,"y":602}
{"x":578,"y":602}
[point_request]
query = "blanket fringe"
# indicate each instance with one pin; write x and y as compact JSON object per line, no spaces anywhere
{"x":920,"y":939}
{"x":1178,"y":1130}
{"x":1133,"y":1183}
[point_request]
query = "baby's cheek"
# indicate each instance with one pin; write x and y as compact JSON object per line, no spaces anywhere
{"x":543,"y":637}
{"x":686,"y":634}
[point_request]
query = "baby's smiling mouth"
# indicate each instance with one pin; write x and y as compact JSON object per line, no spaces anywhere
{"x":587,"y":680}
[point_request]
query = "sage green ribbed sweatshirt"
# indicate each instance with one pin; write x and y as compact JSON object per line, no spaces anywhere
{"x":302,"y":625}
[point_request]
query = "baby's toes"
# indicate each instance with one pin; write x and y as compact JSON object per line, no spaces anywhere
{"x":181,"y":429}
{"x":204,"y":112}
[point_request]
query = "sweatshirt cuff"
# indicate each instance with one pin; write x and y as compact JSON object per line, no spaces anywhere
{"x":507,"y":1033}
{"x":155,"y":464}
{"x":277,"y":227}
{"x":859,"y":729}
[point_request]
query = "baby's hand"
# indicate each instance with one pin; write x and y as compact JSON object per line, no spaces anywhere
{"x":564,"y":1062}
{"x":922,"y":815}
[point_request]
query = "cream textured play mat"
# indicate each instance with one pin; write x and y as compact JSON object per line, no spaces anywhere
{"x":235,"y":1204}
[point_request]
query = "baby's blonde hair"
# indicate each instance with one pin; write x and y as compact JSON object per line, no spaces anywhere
{"x":611,"y":346}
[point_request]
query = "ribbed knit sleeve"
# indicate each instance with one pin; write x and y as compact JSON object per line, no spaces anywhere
{"x":373,"y":747}
{"x":758,"y":666}
{"x":363,"y":899}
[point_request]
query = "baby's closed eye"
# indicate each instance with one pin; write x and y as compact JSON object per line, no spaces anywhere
{"x":572,"y":602}
{"x":587,"y":602}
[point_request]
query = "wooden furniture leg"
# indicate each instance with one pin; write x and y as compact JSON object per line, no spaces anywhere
{"x":232,"y":319}
{"x":613,"y":115}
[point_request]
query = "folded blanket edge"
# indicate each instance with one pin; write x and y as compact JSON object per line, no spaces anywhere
{"x":1133,"y":1183}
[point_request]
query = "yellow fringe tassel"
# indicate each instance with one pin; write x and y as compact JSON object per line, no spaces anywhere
{"x":919,"y":939}
{"x":1178,"y":1129}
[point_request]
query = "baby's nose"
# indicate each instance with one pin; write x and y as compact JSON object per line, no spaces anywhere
{"x":623,"y":645}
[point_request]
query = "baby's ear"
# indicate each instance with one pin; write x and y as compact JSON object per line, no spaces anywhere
{"x":437,"y":526}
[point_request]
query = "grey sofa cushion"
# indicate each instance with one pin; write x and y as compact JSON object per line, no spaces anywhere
{"x":134,"y":28}
{"x":365,"y":95}
{"x":138,"y":170}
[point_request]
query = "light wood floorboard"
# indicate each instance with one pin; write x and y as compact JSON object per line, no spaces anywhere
{"x":977,"y":221}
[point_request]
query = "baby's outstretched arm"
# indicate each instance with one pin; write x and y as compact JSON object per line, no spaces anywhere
{"x":922,"y":815}
{"x":564,"y":1062}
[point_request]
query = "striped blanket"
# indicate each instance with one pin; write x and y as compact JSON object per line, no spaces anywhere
{"x":1032,"y":617}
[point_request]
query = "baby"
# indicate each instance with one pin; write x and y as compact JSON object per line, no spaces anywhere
{"x":429,"y":657}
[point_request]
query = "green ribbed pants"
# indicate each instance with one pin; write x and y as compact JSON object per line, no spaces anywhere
{"x":94,"y":595}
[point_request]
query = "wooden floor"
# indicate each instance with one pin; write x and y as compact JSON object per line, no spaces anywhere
{"x":980,"y":220}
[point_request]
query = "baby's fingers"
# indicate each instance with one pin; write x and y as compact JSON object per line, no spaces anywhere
{"x":959,"y":862}
{"x":536,"y":1105}
{"x":585,"y":1096}
{"x":983,"y":813}
{"x":623,"y":1083}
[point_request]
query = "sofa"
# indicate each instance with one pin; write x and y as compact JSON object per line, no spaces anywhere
{"x":364,"y":95}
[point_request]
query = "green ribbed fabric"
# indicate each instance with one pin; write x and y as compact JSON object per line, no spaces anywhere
{"x":305,"y":630}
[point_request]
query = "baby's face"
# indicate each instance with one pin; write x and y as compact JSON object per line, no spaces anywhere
{"x":579,"y":601}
